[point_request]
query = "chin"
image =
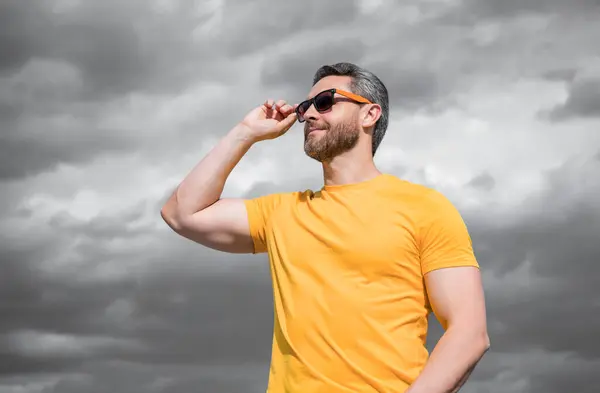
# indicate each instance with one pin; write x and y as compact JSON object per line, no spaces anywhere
{"x":319,"y":156}
{"x":313,"y":134}
{"x":318,"y":159}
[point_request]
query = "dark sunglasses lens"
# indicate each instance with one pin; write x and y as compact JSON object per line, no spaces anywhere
{"x":301,"y":110}
{"x":303,"y":107}
{"x":324,"y":101}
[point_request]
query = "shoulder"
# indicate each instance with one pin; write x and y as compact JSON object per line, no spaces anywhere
{"x":435,"y":200}
{"x":437,"y":214}
{"x":425,"y":194}
{"x":424,"y":203}
{"x":414,"y":192}
{"x":275,"y":200}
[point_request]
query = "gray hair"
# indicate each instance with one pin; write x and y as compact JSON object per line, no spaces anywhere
{"x":366,"y":84}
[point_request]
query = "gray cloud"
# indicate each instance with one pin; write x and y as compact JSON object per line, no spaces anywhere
{"x":518,"y":8}
{"x":296,"y":68}
{"x":22,"y":156}
{"x":485,"y":181}
{"x":160,"y":311}
{"x":17,"y":41}
{"x":118,"y":47}
{"x":107,"y":50}
{"x":270,"y":25}
{"x":554,"y":241}
{"x":583,"y":101}
{"x":102,"y":50}
{"x":561,"y":75}
{"x":539,"y":288}
{"x":411,"y":88}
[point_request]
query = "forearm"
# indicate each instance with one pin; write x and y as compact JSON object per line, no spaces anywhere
{"x":451,"y":362}
{"x":204,"y":185}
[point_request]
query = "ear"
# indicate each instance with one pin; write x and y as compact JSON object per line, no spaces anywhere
{"x":371,"y":113}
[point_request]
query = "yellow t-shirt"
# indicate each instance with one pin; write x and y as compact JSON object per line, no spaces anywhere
{"x":347,"y":265}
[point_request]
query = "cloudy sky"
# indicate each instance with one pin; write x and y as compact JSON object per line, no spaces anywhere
{"x":106,"y":105}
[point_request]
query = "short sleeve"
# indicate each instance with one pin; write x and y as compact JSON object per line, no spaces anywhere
{"x":443,"y":236}
{"x":260,"y":211}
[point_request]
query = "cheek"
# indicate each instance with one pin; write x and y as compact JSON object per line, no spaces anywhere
{"x":327,"y":118}
{"x":334,"y":118}
{"x":347,"y":115}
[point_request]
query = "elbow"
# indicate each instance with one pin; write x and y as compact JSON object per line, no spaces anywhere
{"x":169,"y":215}
{"x":164,"y":214}
{"x":486,"y":343}
{"x":477,"y":338}
{"x":482,"y":341}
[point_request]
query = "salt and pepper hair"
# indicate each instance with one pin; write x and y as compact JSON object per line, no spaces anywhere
{"x":366,"y":84}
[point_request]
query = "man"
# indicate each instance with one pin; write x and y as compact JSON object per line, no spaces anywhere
{"x":357,"y":265}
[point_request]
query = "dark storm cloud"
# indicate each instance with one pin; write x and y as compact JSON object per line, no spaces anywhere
{"x":228,"y":318}
{"x":249,"y":27}
{"x":540,"y":287}
{"x":560,"y":75}
{"x":119,"y":47}
{"x":484,"y":181}
{"x":297,"y":68}
{"x":128,"y":377}
{"x":18,"y":22}
{"x":115,"y":48}
{"x":16,"y":364}
{"x":421,"y":64}
{"x":32,"y":302}
{"x":555,"y":234}
{"x":179,"y":316}
{"x":110,"y":48}
{"x":234,"y":382}
{"x":571,"y":376}
{"x":102,"y":228}
{"x":122,"y":47}
{"x":22,"y":156}
{"x":583,"y":101}
{"x":410,"y":88}
{"x":435,"y":62}
{"x":190,"y":297}
{"x":512,"y":8}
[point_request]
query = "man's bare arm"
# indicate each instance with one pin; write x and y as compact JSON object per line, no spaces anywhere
{"x":196,"y":211}
{"x":457,"y":300}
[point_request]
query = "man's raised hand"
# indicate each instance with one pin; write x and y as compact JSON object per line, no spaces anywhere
{"x":270,"y":120}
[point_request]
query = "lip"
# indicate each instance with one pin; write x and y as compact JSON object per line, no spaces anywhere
{"x":313,"y":129}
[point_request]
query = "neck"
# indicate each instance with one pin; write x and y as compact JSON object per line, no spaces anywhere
{"x":350,"y":167}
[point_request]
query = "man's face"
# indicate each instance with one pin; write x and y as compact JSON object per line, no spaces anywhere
{"x":336,"y":131}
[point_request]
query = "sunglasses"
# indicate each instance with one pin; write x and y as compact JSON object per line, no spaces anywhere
{"x":325,"y":100}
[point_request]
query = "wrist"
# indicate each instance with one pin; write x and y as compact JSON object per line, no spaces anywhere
{"x":243,"y":134}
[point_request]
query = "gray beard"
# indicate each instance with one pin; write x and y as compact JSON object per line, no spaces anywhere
{"x":335,"y":141}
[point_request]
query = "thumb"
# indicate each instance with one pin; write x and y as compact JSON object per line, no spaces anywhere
{"x":286,"y":123}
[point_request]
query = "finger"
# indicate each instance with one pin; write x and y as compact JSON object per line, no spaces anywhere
{"x":286,"y":109}
{"x":269,"y":103}
{"x":279,"y":104}
{"x":286,"y":123}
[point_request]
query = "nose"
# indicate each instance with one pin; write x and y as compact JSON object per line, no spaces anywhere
{"x":311,"y":113}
